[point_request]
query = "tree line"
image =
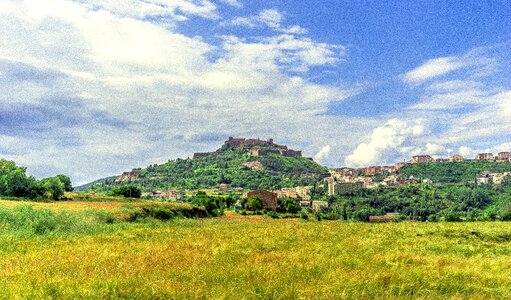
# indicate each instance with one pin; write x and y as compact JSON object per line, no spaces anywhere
{"x":14,"y":182}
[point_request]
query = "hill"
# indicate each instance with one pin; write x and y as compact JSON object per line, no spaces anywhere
{"x":453,"y":172}
{"x":240,"y":163}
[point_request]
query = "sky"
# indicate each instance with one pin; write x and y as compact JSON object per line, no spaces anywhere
{"x":94,"y":88}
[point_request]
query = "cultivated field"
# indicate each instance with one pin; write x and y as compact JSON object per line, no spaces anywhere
{"x":90,"y":251}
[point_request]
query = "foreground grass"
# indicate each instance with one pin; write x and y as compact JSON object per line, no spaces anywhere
{"x":237,"y":257}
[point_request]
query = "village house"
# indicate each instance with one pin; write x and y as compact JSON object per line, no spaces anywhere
{"x":456,"y":158}
{"x":485,"y":156}
{"x":342,"y":188}
{"x":372,"y":170}
{"x":305,"y":204}
{"x":389,"y":169}
{"x":317,"y":206}
{"x":504,"y":156}
{"x":488,"y":177}
{"x":269,"y":198}
{"x":393,"y":180}
{"x":341,"y":173}
{"x":418,"y":159}
{"x":170,"y":195}
{"x":299,"y":192}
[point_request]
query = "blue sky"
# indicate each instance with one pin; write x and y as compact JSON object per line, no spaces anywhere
{"x":94,"y":88}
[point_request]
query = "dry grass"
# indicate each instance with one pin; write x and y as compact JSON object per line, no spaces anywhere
{"x":238,"y":257}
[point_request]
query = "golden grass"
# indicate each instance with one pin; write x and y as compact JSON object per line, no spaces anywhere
{"x":238,"y":257}
{"x":76,"y":206}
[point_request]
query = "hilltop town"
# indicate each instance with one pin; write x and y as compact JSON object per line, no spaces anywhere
{"x":254,"y":147}
{"x":346,"y":180}
{"x":256,"y":156}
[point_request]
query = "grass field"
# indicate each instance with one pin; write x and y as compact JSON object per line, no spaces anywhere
{"x":240,"y":257}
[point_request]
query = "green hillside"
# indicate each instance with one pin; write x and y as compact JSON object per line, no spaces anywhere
{"x":453,"y":172}
{"x":223,"y":168}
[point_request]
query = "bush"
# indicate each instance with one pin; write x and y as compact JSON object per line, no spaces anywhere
{"x":127,"y":191}
{"x":272,"y":215}
{"x":452,"y":217}
{"x":289,"y":206}
{"x":505,"y":216}
{"x":254,"y":203}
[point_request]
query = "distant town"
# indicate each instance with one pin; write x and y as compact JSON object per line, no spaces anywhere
{"x":338,"y":181}
{"x":346,"y":180}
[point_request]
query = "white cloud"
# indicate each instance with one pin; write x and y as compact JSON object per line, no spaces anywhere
{"x":267,"y":18}
{"x":234,"y":3}
{"x":162,"y":83}
{"x":177,"y":10}
{"x":271,"y":17}
{"x":466,"y":151}
{"x":433,"y":68}
{"x":436,"y":150}
{"x":471,"y":110}
{"x":388,"y":142}
{"x":322,"y":154}
{"x":476,"y":63}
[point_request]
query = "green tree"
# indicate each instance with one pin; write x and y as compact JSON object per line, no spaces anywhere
{"x":68,"y":187}
{"x":254,"y":203}
{"x":53,"y":188}
{"x":289,"y":205}
{"x":127,"y":191}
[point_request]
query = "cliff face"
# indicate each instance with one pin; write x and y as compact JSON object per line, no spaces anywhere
{"x":128,"y":176}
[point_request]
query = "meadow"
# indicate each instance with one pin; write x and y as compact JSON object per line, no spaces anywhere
{"x":92,"y":250}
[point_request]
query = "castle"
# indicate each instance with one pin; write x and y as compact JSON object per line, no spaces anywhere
{"x":254,"y":147}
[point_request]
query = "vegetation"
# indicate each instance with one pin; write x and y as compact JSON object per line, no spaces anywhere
{"x":453,"y":172}
{"x":15,"y":183}
{"x":225,"y":168}
{"x":127,"y":191}
{"x":455,"y":202}
{"x":214,"y":206}
{"x":244,"y":257}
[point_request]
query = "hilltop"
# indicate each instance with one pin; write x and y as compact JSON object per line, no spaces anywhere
{"x":239,"y":163}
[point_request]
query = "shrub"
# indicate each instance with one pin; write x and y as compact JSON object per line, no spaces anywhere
{"x":254,"y":203}
{"x":127,"y":191}
{"x":452,"y":217}
{"x":272,"y":215}
{"x":505,"y":216}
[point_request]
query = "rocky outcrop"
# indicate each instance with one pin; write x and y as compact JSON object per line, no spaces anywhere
{"x":253,"y":165}
{"x":128,"y":176}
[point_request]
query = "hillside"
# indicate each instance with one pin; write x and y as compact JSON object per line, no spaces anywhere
{"x":238,"y":166}
{"x":453,"y":172}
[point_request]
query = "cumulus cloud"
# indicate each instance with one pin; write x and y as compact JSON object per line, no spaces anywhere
{"x":466,"y":151}
{"x":388,"y":142}
{"x":323,"y":153}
